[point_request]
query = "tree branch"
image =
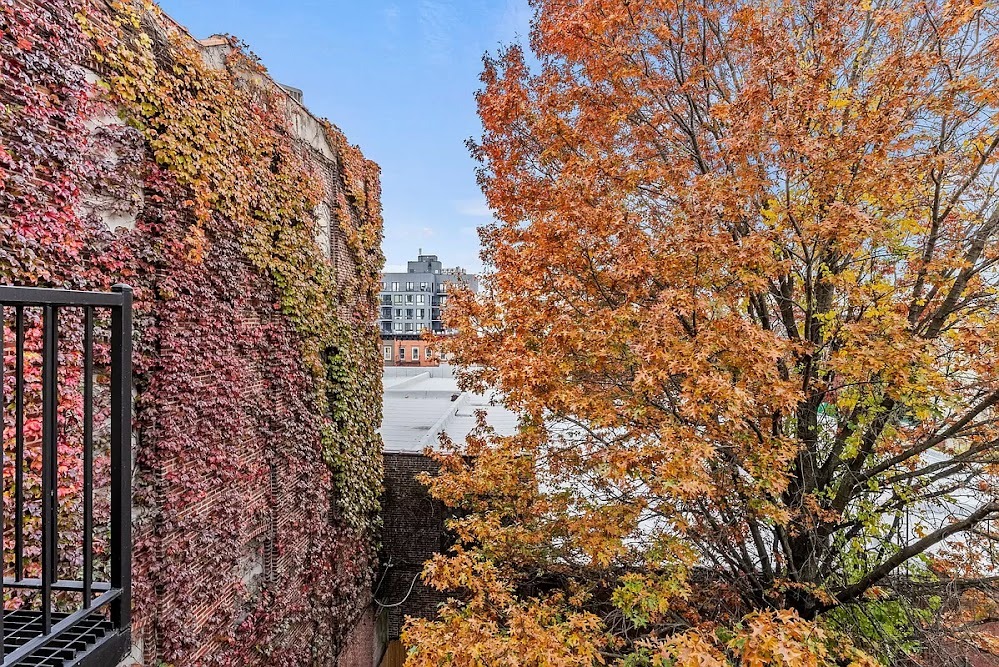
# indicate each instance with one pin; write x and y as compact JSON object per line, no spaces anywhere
{"x":854,"y":591}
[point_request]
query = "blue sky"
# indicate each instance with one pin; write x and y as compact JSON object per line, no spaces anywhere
{"x":398,"y":77}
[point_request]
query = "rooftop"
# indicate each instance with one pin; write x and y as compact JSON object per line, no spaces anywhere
{"x":419,"y":403}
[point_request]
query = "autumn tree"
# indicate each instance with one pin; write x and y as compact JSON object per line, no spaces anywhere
{"x":742,"y":288}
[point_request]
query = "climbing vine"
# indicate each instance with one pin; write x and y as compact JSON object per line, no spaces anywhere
{"x":257,"y":365}
{"x":45,"y":167}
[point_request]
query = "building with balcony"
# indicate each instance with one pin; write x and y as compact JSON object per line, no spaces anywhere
{"x":410,"y":305}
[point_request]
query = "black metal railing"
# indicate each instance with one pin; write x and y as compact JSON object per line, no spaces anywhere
{"x":84,"y":617}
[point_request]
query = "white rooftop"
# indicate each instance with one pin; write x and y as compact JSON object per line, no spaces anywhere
{"x":419,"y":403}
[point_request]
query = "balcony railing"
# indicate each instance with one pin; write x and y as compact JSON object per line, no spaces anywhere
{"x":66,"y":404}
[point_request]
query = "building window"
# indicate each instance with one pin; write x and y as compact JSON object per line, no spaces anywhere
{"x":395,"y":287}
{"x":441,"y":288}
{"x":426,"y":351}
{"x":421,"y":313}
{"x":402,"y":354}
{"x":409,"y":287}
{"x":397,"y":327}
{"x":409,"y":298}
{"x":398,"y":313}
{"x":421,"y":299}
{"x":423,"y":287}
{"x":409,"y":313}
{"x":420,"y":326}
{"x":409,"y":326}
{"x":416,"y":354}
{"x":387,"y":353}
{"x":397,"y":298}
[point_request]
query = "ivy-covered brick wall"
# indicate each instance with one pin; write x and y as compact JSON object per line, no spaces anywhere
{"x":250,"y":231}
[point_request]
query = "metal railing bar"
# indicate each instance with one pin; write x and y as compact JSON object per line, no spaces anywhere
{"x":62,"y":626}
{"x":19,"y":444}
{"x":121,"y":456}
{"x":88,"y":455}
{"x":60,"y":585}
{"x":3,"y":429}
{"x":50,"y":482}
{"x":44,"y":296}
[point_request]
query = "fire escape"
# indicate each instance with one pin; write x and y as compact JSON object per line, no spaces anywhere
{"x":66,"y":501}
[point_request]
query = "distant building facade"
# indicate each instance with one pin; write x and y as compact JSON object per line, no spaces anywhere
{"x":411,"y":304}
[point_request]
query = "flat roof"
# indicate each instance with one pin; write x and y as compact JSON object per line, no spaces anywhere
{"x":420,"y":403}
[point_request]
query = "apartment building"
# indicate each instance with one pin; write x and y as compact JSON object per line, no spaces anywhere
{"x":411,"y":305}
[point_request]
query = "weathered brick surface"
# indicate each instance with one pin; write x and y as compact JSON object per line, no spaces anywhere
{"x":413,"y":531}
{"x":262,"y":497}
{"x":366,"y":643}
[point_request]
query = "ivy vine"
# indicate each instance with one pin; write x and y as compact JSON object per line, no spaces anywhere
{"x":257,"y":366}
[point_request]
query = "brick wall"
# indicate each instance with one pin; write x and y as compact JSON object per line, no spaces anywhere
{"x":413,"y":532}
{"x":366,"y":643}
{"x":396,"y":352}
{"x":273,"y":481}
{"x":265,"y":494}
